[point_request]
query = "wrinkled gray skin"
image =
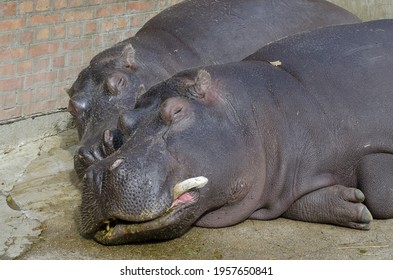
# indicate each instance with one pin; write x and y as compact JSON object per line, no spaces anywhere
{"x":311,"y":139}
{"x":190,"y":34}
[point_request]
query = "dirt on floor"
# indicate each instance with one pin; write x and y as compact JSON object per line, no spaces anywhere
{"x":39,"y":200}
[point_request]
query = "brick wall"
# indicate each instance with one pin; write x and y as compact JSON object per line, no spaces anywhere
{"x":45,"y":43}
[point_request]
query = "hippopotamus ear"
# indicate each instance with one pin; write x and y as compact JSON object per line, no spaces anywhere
{"x":203,"y":82}
{"x":127,"y":57}
{"x":201,"y":87}
{"x":117,"y":84}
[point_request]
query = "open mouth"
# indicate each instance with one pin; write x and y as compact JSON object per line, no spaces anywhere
{"x":185,"y":197}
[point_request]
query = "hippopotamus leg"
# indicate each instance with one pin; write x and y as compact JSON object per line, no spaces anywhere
{"x":375,"y":179}
{"x":375,"y":189}
{"x":338,"y":205}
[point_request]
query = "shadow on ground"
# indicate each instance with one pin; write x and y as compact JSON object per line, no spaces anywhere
{"x":39,"y":201}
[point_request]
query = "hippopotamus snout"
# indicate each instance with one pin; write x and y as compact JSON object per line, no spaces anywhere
{"x":127,"y":195}
{"x":137,"y":193}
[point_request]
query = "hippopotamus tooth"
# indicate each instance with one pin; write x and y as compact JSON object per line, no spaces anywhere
{"x":189,"y":184}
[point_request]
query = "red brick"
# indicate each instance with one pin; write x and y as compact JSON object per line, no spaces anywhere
{"x":58,"y":31}
{"x":131,"y":32}
{"x":69,"y":73}
{"x":44,"y":19}
{"x":137,"y":20}
{"x":26,"y":7}
{"x":7,"y":70}
{"x":76,"y":45}
{"x":99,"y":41}
{"x":60,"y":4}
{"x":90,"y":27}
{"x":76,"y":3}
{"x":88,"y":55}
{"x":43,"y":49}
{"x":139,"y":6}
{"x":7,"y":9}
{"x":6,"y":40}
{"x":25,"y":97}
{"x":107,"y":25}
{"x":121,"y":23}
{"x":74,"y":30}
{"x":60,"y":90}
{"x":111,"y":10}
{"x":161,"y":4}
{"x":9,"y":54}
{"x":9,"y":100}
{"x":24,"y":67}
{"x":58,"y":62}
{"x":62,"y":102}
{"x":42,"y":94}
{"x":26,"y":38}
{"x":10,"y":113}
{"x":78,"y":15}
{"x":42,"y":34}
{"x":94,"y":2}
{"x":108,"y":40}
{"x":74,"y":59}
{"x":40,"y":78}
{"x":42,"y":64}
{"x":39,"y":107}
{"x":12,"y":24}
{"x":150,"y":16}
{"x":42,"y":5}
{"x":11,"y":84}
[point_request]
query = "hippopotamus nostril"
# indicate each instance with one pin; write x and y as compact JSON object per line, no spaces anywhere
{"x":76,"y":106}
{"x":72,"y":108}
{"x":94,"y":178}
{"x":85,"y":155}
{"x":112,"y":140}
{"x":126,"y":123}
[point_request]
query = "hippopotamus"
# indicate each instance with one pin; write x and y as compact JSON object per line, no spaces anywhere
{"x":301,"y":129}
{"x":190,"y":34}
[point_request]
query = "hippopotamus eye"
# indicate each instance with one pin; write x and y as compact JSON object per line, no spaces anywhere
{"x":174,"y":109}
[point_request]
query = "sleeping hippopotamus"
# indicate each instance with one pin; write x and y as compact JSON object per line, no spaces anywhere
{"x":303,"y":128}
{"x":190,"y":34}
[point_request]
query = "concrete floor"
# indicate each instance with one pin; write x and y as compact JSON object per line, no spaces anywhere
{"x":39,"y":201}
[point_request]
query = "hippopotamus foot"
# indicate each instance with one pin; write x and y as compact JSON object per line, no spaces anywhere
{"x":337,"y":205}
{"x":375,"y":177}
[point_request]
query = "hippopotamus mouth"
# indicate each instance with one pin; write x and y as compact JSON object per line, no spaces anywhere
{"x":166,"y":226}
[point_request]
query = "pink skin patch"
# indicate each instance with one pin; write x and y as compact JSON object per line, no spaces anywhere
{"x":183,"y":199}
{"x":116,"y":164}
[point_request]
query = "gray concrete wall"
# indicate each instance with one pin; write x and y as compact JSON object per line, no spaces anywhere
{"x":368,"y":9}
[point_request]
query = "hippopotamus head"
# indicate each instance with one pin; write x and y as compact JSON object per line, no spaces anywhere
{"x":103,"y":89}
{"x":189,"y":158}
